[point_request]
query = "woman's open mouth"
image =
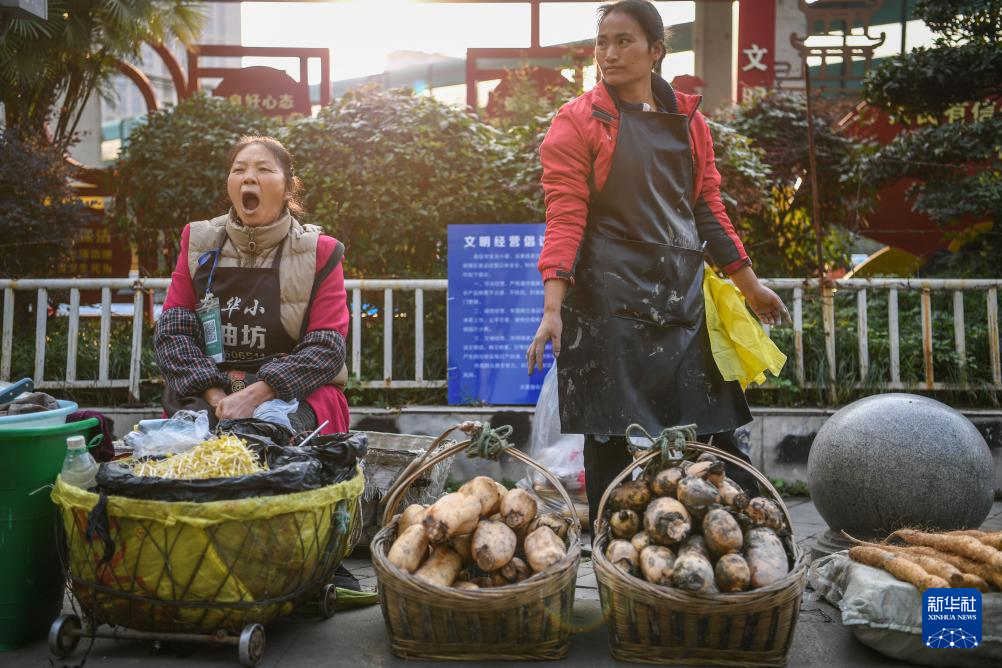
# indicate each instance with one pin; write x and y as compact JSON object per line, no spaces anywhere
{"x":250,"y":202}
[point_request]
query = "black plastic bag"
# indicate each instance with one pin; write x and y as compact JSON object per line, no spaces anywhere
{"x":276,"y":433}
{"x":324,"y":461}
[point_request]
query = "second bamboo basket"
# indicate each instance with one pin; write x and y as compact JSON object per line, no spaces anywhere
{"x":530,"y":620}
{"x":653,"y":624}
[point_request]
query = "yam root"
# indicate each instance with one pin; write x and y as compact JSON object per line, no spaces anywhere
{"x":413,"y":514}
{"x":657,"y":564}
{"x":543,"y":549}
{"x":486,"y":491}
{"x":622,"y":555}
{"x":442,"y":566}
{"x":633,"y":495}
{"x":666,"y":521}
{"x":493,"y":545}
{"x":697,"y":495}
{"x":693,"y":572}
{"x":453,"y":515}
{"x":518,"y":508}
{"x":640,"y":540}
{"x":966,"y":566}
{"x":965,"y":546}
{"x":732,"y":573}
{"x":624,"y":524}
{"x":766,"y":556}
{"x":466,"y":585}
{"x":766,"y":513}
{"x":902,"y":569}
{"x":665,"y":482}
{"x":943,"y":569}
{"x":722,"y":533}
{"x":993,"y":540}
{"x":409,"y":549}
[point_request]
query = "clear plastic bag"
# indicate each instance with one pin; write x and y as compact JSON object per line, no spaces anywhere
{"x":183,"y":431}
{"x":277,"y":411}
{"x":561,"y":454}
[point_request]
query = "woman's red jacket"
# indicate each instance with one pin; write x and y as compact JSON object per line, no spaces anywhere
{"x":577,"y":156}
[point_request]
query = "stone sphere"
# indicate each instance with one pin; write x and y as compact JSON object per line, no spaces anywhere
{"x":900,"y":460}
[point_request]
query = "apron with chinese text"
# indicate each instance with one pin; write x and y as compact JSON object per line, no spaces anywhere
{"x":634,"y":347}
{"x":250,"y":301}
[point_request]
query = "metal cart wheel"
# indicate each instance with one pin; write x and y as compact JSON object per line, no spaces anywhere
{"x":328,"y":601}
{"x":62,"y":639}
{"x":251,"y":645}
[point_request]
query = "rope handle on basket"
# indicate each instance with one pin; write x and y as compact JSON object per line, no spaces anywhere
{"x":483,"y":438}
{"x":698,"y":447}
{"x":670,"y":442}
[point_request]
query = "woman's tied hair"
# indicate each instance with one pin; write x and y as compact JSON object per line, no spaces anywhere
{"x":293,"y":186}
{"x":646,"y":14}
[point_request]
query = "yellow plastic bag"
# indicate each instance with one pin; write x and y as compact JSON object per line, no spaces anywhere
{"x":741,"y":348}
{"x":202,"y":566}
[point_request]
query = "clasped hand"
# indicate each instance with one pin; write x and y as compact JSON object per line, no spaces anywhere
{"x":240,"y":404}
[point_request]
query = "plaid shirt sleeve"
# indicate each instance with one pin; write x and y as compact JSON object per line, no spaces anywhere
{"x":178,"y":347}
{"x":314,"y":362}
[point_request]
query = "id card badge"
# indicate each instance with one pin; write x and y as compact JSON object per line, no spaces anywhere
{"x":212,"y":323}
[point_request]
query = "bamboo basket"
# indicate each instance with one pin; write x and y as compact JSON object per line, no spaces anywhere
{"x":654,"y":624}
{"x":530,"y":620}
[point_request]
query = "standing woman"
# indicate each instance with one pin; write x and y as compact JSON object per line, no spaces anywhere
{"x":632,"y":201}
{"x":282,"y":307}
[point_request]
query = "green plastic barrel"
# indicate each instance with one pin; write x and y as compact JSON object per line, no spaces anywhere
{"x":31,"y":581}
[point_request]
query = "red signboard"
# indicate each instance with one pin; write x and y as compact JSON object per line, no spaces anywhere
{"x":97,"y":252}
{"x":756,"y":48}
{"x":270,"y":91}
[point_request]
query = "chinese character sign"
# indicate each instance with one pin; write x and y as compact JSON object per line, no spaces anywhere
{"x":951,"y":618}
{"x":495,"y":303}
{"x":756,"y":46}
{"x":270,"y":91}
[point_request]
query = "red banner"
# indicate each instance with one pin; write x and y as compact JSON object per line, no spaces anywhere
{"x":756,"y":47}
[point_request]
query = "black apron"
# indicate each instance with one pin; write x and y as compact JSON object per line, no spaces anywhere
{"x":635,"y":347}
{"x":250,"y":300}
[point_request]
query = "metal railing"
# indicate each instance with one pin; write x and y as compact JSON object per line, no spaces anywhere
{"x":796,"y":291}
{"x":142,"y":290}
{"x":893,"y":286}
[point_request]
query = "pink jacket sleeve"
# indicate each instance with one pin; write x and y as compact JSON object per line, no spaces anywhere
{"x":330,"y":306}
{"x":181,"y":292}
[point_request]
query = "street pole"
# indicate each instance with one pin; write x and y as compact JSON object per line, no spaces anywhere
{"x":827,"y":296}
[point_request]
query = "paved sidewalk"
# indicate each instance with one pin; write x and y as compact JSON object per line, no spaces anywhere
{"x":358,"y":638}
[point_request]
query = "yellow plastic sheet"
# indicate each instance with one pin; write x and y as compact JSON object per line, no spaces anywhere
{"x":198,"y":567}
{"x":741,"y":348}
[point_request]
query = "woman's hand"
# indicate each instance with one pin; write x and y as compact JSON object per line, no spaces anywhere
{"x":766,"y":304}
{"x":550,"y":328}
{"x":213,"y":396}
{"x":243,"y":403}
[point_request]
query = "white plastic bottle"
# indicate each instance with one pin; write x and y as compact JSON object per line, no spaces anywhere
{"x":79,"y":468}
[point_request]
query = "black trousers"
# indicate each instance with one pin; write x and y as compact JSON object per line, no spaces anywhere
{"x":604,"y":461}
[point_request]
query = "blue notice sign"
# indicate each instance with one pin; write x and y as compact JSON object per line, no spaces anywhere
{"x":495,"y":303}
{"x":951,"y":618}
